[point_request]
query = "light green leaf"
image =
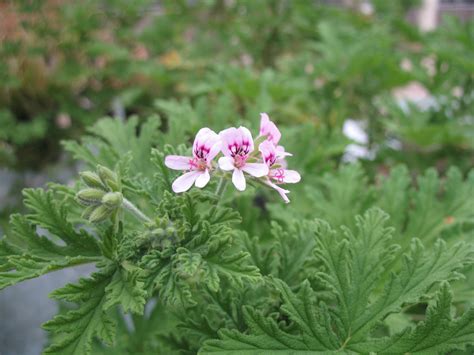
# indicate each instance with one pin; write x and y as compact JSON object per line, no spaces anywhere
{"x":76,"y":329}
{"x":127,"y":289}
{"x":25,"y":253}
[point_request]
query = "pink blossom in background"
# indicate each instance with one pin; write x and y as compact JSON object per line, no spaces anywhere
{"x":237,"y":144}
{"x":206,"y":146}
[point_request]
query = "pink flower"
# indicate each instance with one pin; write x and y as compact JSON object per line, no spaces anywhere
{"x":206,"y":146}
{"x":281,"y":191}
{"x":269,"y":129}
{"x":278,"y":174}
{"x":281,"y":155}
{"x":237,"y":144}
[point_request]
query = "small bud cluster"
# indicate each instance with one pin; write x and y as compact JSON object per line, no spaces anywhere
{"x":102,"y":197}
{"x":261,"y":161}
{"x":162,"y":237}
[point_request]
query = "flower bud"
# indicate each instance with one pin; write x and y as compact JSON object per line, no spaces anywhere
{"x":112,"y":185}
{"x":170,"y":230}
{"x":88,"y":211}
{"x":159,"y":232}
{"x":108,"y":177}
{"x":91,"y":179}
{"x":112,"y":199}
{"x":100,"y":214}
{"x":89,"y":197}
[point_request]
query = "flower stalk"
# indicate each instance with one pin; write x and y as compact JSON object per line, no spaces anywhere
{"x":129,"y":206}
{"x":221,"y":187}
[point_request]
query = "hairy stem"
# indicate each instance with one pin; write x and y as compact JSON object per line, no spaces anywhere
{"x":221,"y":187}
{"x":135,"y":211}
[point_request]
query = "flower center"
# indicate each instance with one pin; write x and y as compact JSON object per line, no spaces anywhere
{"x":197,"y":164}
{"x":278,"y":175}
{"x":239,"y":161}
{"x":201,"y":151}
{"x":239,"y":149}
{"x":270,"y":159}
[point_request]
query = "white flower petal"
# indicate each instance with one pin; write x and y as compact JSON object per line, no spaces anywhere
{"x":281,"y":153}
{"x":238,"y":179}
{"x":246,"y":136}
{"x":281,"y":192}
{"x":354,"y":130}
{"x":203,"y":179}
{"x":228,"y":137}
{"x":256,"y":169}
{"x":237,"y":137}
{"x":291,"y":177}
{"x":215,"y":149}
{"x":185,"y":181}
{"x":203,"y":135}
{"x":269,"y":153}
{"x":178,"y":162}
{"x":226,"y":163}
{"x":210,"y":140}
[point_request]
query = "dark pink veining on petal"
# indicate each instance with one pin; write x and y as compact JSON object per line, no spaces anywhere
{"x":278,"y":174}
{"x":201,"y":151}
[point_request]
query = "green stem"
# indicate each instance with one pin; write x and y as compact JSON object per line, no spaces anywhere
{"x":221,"y":187}
{"x":116,"y":220}
{"x":135,"y":211}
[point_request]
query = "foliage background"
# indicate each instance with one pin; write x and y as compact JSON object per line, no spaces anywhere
{"x":182,"y":65}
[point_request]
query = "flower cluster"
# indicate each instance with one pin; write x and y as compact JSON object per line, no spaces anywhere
{"x":265,"y":163}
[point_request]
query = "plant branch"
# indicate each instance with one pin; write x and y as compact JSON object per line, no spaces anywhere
{"x":135,"y":211}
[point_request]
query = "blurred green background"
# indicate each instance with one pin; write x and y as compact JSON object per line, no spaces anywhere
{"x":376,"y":81}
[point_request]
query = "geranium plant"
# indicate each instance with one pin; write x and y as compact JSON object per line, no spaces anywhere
{"x":179,"y":269}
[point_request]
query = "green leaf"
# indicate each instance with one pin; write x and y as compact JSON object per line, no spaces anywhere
{"x":205,"y":260}
{"x":43,"y":241}
{"x":201,"y":249}
{"x":393,"y":197}
{"x":172,"y":289}
{"x":420,"y":270}
{"x":113,"y":140}
{"x":438,"y":333}
{"x":431,"y":215}
{"x":265,"y":336}
{"x":426,"y":209}
{"x":353,"y":264}
{"x":75,"y":330}
{"x":354,"y":271}
{"x":341,"y":195}
{"x":47,"y":213}
{"x":127,"y":289}
{"x":222,"y":262}
{"x":289,"y":255}
{"x":23,"y":267}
